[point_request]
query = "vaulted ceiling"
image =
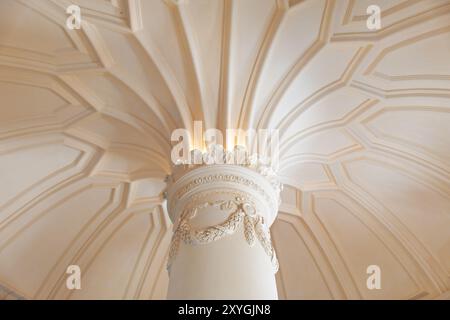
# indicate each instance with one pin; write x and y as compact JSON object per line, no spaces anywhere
{"x":364,"y":119}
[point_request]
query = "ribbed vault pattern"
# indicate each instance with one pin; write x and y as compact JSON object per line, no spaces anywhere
{"x":364,"y":117}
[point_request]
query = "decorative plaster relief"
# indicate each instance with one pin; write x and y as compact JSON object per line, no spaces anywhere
{"x":242,"y":210}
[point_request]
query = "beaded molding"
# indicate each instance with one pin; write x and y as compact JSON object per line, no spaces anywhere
{"x":238,"y":156}
{"x":221,"y":177}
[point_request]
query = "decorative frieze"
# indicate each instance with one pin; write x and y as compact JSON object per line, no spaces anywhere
{"x":242,"y":211}
{"x":245,"y":196}
{"x":239,"y":156}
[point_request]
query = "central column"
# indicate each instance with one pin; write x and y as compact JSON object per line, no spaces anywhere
{"x":221,"y":247}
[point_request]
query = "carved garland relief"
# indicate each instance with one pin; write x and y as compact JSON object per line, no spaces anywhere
{"x":242,"y":211}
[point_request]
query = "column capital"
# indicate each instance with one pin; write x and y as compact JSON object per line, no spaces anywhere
{"x":243,"y":198}
{"x":188,"y":183}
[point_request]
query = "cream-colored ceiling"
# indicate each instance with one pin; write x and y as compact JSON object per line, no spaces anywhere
{"x":364,"y":117}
